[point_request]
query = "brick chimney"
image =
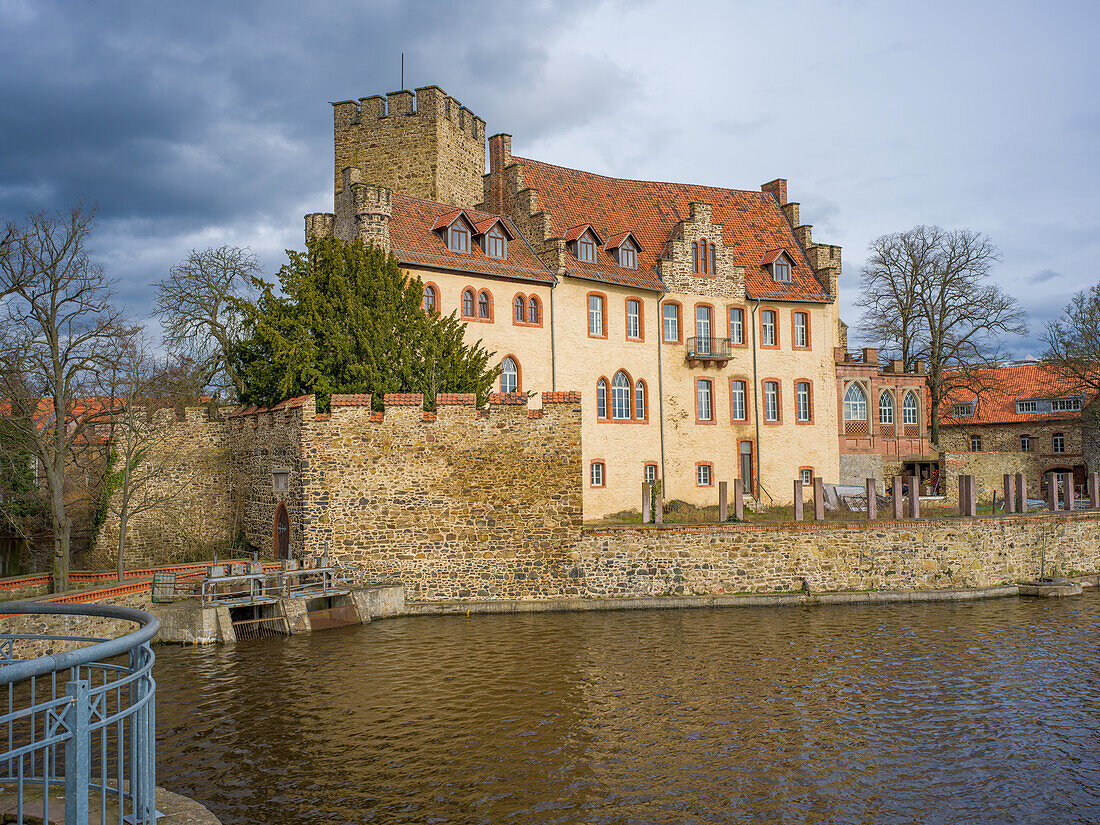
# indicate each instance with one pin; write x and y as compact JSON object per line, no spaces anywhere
{"x":777,"y":187}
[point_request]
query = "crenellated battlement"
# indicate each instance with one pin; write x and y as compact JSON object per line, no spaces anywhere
{"x":426,"y":144}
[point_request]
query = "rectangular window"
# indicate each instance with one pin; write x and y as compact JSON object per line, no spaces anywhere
{"x":1058,"y":443}
{"x":702,"y":330}
{"x":459,"y":237}
{"x":702,"y":475}
{"x":737,"y":325}
{"x":767,"y":328}
{"x":782,"y":271}
{"x":672,"y":323}
{"x":628,"y":258}
{"x":595,"y":316}
{"x":1027,"y":406}
{"x":975,"y":443}
{"x":597,"y":474}
{"x":738,"y":411}
{"x":704,"y":410}
{"x":771,"y":400}
{"x":496,"y":247}
{"x":807,"y":476}
{"x":281,"y":480}
{"x":649,"y":473}
{"x":1025,"y":443}
{"x":801,"y":330}
{"x":633,"y":319}
{"x":802,"y":393}
{"x":586,"y":249}
{"x":963,"y":409}
{"x":1065,"y":404}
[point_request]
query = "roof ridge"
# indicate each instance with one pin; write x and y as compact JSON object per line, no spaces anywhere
{"x":641,"y":180}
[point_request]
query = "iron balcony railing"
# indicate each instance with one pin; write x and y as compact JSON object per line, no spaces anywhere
{"x":80,"y":725}
{"x":713,"y":348}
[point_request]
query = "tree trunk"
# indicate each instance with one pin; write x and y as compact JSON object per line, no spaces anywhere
{"x":62,"y":545}
{"x":122,"y":546}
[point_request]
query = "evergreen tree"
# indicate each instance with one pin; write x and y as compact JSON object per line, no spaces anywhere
{"x":350,"y":321}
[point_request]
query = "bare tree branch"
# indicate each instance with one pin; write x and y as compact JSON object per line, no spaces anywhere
{"x":201,"y":322}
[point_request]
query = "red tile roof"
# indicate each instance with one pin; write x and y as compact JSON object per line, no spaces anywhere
{"x":997,"y":405}
{"x":752,"y":223}
{"x":415,"y":243}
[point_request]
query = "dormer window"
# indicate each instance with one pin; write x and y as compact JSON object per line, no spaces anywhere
{"x":458,"y":237}
{"x":496,"y":245}
{"x":628,"y":256}
{"x":586,"y":249}
{"x":781,"y":271}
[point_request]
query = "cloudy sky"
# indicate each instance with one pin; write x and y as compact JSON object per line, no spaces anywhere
{"x":202,"y":123}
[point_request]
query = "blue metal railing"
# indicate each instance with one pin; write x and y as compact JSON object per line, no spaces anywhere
{"x":79,"y":731}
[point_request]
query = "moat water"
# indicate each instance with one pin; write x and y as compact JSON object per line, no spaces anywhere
{"x":941,"y":713}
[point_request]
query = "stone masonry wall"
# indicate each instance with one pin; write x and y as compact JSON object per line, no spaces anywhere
{"x":199,"y":519}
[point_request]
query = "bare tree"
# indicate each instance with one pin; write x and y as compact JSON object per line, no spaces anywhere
{"x":140,"y":478}
{"x":928,"y":297}
{"x":57,"y":329}
{"x":1073,"y":353}
{"x":201,"y":322}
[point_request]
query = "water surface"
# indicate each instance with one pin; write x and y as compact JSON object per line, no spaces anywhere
{"x":969,"y":712}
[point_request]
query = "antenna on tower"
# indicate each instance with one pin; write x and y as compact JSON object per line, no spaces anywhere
{"x":402,"y":71}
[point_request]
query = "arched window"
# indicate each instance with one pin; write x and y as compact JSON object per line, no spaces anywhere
{"x":855,"y":403}
{"x":713,"y":261}
{"x":601,"y":399}
{"x":509,"y":375}
{"x":704,"y":256}
{"x":495,"y":244}
{"x":695,"y":256}
{"x":910,"y":412}
{"x":519,"y":307}
{"x":468,"y":303}
{"x":534,"y":315}
{"x":484,"y":305}
{"x":459,"y":237}
{"x":640,"y":400}
{"x":620,"y":396}
{"x":431,"y":298}
{"x":886,"y":408}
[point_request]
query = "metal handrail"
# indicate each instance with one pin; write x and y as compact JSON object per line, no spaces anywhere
{"x":80,"y":741}
{"x":701,"y":347}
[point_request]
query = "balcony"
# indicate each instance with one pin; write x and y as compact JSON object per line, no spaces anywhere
{"x":708,"y":351}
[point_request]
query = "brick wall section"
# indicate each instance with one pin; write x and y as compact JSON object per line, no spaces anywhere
{"x":200,"y":520}
{"x":72,"y":626}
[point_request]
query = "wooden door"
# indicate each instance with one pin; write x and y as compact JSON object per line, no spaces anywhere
{"x":282,"y":533}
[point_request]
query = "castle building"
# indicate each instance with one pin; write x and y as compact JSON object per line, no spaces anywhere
{"x":699,"y":323}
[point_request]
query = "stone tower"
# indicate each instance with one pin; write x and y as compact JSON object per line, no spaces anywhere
{"x":434,"y":151}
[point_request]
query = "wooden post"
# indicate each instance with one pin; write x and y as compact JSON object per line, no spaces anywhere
{"x":898,"y":513}
{"x":739,"y":500}
{"x":1010,"y":493}
{"x":646,"y":502}
{"x":914,"y":498}
{"x":872,"y":499}
{"x":1067,"y":491}
{"x":971,"y":496}
{"x":798,"y":500}
{"x":819,"y":499}
{"x":1021,"y":492}
{"x":723,"y":502}
{"x":964,"y":491}
{"x":1094,"y":489}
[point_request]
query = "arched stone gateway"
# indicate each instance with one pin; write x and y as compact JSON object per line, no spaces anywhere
{"x":282,"y":533}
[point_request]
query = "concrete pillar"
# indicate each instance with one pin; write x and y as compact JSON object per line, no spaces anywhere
{"x":872,"y":499}
{"x":971,"y":496}
{"x":798,"y":500}
{"x":739,"y":500}
{"x":964,"y":491}
{"x":1052,"y":491}
{"x":1021,"y":492}
{"x":659,"y":515}
{"x":1067,"y":491}
{"x":914,"y":498}
{"x":1094,"y":489}
{"x":898,"y":512}
{"x":723,"y":502}
{"x":1010,"y":493}
{"x":646,"y":502}
{"x":819,"y":499}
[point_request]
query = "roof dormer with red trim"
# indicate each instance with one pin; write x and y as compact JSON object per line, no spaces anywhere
{"x":779,"y":263}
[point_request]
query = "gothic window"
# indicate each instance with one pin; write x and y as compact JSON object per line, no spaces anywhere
{"x":620,"y":396}
{"x":509,"y":375}
{"x":484,"y":305}
{"x":855,"y":403}
{"x":519,"y":309}
{"x":496,"y":245}
{"x":533,"y":311}
{"x":468,"y":303}
{"x":601,"y":399}
{"x":640,"y":400}
{"x":885,"y":408}
{"x":458,"y":237}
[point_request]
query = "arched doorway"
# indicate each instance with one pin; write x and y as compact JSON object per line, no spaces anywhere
{"x":282,"y":533}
